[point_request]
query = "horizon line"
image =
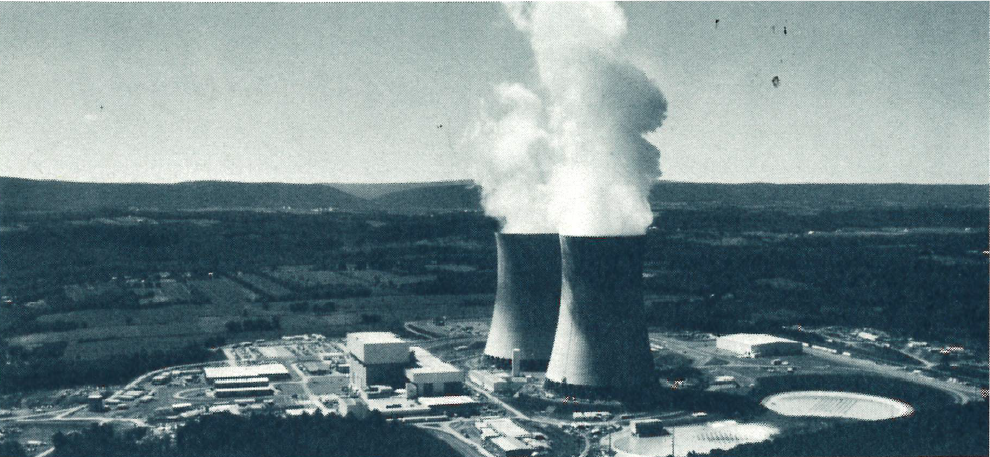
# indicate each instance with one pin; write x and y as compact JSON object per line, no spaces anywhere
{"x":471,"y":182}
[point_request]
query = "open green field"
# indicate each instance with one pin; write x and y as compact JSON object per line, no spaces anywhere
{"x":114,"y":331}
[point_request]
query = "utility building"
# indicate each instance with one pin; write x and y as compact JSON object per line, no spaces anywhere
{"x":272,"y":371}
{"x":757,"y":345}
{"x":433,"y":376}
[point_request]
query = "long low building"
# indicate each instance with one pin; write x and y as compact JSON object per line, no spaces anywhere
{"x":244,"y":392}
{"x":272,"y":371}
{"x":758,"y":345}
{"x":259,"y":381}
{"x":511,"y":447}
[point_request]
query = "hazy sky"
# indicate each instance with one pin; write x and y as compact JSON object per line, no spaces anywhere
{"x":869,"y":92}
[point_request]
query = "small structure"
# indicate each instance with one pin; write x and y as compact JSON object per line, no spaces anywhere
{"x":496,"y":382}
{"x":394,"y":407}
{"x":648,"y":427}
{"x":95,"y":402}
{"x":352,"y":407}
{"x":316,"y":368}
{"x":592,"y":415}
{"x":867,"y":336}
{"x":180,"y":407}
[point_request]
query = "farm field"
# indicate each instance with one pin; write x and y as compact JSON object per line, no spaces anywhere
{"x":265,"y":285}
{"x":304,"y":277}
{"x":224,"y":291}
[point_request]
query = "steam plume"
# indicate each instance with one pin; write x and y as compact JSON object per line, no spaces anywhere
{"x":516,"y":162}
{"x":601,"y":107}
{"x":589,"y":171}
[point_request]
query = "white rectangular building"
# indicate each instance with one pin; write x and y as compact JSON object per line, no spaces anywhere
{"x":507,"y":427}
{"x":269,"y":370}
{"x":376,"y":358}
{"x":376,"y":348}
{"x":757,"y":345}
{"x":433,"y":376}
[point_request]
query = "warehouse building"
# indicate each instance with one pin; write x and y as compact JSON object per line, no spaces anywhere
{"x":757,"y":345}
{"x":377,"y":358}
{"x":511,"y":447}
{"x":272,"y":371}
{"x":506,"y":427}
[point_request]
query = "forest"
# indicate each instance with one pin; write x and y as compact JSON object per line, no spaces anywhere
{"x":259,"y":435}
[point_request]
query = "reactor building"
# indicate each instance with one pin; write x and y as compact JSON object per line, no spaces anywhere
{"x":527,"y":298}
{"x":601,"y":341}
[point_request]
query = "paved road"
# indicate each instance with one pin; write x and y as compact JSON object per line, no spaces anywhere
{"x":314,"y":399}
{"x":466,"y":447}
{"x":961,"y":393}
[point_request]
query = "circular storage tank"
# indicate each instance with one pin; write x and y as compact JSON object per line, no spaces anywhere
{"x":846,"y":405}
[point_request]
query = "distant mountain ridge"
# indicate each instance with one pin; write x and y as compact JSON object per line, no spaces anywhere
{"x":372,"y":191}
{"x":27,"y":194}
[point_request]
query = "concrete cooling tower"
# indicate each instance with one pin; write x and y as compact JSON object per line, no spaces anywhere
{"x":526,"y":299}
{"x":601,"y":341}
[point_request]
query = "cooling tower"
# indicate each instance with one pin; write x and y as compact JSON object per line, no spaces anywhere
{"x":526,"y":298}
{"x":601,"y":341}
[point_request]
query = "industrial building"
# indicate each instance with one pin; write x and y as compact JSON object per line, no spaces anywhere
{"x":527,"y":298}
{"x":433,"y":376}
{"x":499,"y":383}
{"x":511,"y":447}
{"x":352,"y":407}
{"x":272,"y":371}
{"x":95,"y":402}
{"x":757,"y":345}
{"x":377,"y":358}
{"x":506,"y":427}
{"x":462,"y":405}
{"x":601,"y":343}
{"x":381,"y":359}
{"x":259,"y":381}
{"x":243,"y":392}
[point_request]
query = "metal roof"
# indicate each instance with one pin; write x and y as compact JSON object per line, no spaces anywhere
{"x":245,"y":372}
{"x":756,"y":338}
{"x":375,"y":337}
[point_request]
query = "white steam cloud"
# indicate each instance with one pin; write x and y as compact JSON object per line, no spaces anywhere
{"x":589,"y":171}
{"x":516,"y":162}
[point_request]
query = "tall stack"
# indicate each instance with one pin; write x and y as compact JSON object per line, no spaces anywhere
{"x":526,"y":299}
{"x":601,"y":341}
